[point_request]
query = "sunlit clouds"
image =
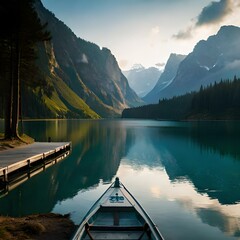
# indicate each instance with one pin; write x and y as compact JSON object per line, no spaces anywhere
{"x":210,"y":19}
{"x":215,"y":12}
{"x":146,"y":32}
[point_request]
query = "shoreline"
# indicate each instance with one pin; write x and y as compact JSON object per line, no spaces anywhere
{"x":48,"y":226}
{"x":42,"y":226}
{"x":6,"y":145}
{"x":11,"y":144}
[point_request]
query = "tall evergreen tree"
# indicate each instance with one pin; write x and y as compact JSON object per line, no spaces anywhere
{"x":22,"y":30}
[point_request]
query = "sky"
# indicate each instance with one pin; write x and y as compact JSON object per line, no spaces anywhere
{"x":145,"y":32}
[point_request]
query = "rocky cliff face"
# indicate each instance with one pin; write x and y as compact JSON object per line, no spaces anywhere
{"x":165,"y":79}
{"x":85,"y":78}
{"x":212,"y":60}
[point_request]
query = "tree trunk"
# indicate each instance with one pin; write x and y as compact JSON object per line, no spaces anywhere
{"x":12,"y":92}
{"x":8,"y":93}
{"x":8,"y":112}
{"x":16,"y":92}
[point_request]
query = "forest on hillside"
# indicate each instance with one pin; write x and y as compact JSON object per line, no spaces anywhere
{"x":216,"y":101}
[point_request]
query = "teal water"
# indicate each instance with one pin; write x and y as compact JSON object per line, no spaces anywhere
{"x":185,"y":174}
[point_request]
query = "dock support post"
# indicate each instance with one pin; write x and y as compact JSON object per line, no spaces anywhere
{"x":55,"y":156}
{"x":28,"y":161}
{"x":29,"y":167}
{"x":6,"y":187}
{"x":5,"y":174}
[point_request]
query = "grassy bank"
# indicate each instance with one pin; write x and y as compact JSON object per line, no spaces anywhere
{"x":8,"y":144}
{"x":39,"y":226}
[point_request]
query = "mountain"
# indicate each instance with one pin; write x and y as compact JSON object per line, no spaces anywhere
{"x":86,"y":80}
{"x":142,"y":80}
{"x":210,"y":61}
{"x":165,"y":79}
{"x":219,"y":101}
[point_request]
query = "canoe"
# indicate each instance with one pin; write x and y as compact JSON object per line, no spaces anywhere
{"x":117,"y":215}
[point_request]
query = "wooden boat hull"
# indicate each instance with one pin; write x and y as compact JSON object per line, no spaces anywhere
{"x":117,"y":215}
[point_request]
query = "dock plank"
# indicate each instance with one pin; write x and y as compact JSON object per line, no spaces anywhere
{"x":19,"y":156}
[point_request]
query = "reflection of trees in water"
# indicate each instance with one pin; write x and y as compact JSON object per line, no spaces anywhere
{"x":210,"y":163}
{"x":200,"y":153}
{"x":220,"y":137}
{"x":185,"y":153}
{"x":97,"y":150}
{"x":208,"y":170}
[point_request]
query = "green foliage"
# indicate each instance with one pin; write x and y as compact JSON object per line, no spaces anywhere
{"x":33,"y":104}
{"x":73,"y":102}
{"x":62,"y":103}
{"x":21,"y":30}
{"x":218,"y":101}
{"x":19,"y":38}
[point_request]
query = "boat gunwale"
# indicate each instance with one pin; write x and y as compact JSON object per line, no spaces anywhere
{"x":145,"y":214}
{"x":89,"y":214}
{"x":97,"y":205}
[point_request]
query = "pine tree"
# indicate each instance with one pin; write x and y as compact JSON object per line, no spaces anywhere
{"x":22,"y":30}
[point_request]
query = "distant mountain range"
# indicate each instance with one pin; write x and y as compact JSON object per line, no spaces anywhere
{"x":165,"y":79}
{"x":86,"y":80}
{"x":212,"y":60}
{"x":141,"y":79}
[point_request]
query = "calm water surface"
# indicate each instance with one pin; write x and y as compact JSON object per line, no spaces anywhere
{"x":185,"y":174}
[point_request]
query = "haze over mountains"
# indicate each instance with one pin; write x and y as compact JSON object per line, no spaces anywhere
{"x":86,"y":80}
{"x":141,"y":79}
{"x":165,"y":79}
{"x":210,"y":61}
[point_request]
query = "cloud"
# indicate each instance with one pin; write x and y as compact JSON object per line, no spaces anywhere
{"x":212,"y":17}
{"x":160,"y":64}
{"x":234,"y":65}
{"x":84,"y":58}
{"x":214,"y":12}
{"x":184,"y":34}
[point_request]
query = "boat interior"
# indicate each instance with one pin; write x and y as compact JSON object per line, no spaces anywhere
{"x":116,"y":223}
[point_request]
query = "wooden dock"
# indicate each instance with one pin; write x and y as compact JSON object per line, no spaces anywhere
{"x":25,"y":157}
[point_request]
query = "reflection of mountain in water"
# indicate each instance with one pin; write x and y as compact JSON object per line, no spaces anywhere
{"x":196,"y":152}
{"x":206,"y":153}
{"x":141,"y":150}
{"x":97,"y":151}
{"x":205,"y":156}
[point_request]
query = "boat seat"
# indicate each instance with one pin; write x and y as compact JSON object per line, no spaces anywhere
{"x":114,"y":232}
{"x":122,"y":216}
{"x":116,"y":228}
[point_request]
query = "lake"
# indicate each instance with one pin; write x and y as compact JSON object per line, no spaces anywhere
{"x":185,"y":174}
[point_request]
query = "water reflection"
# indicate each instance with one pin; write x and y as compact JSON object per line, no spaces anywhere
{"x":180,"y":207}
{"x":93,"y":157}
{"x":202,"y":179}
{"x":187,"y":175}
{"x":210,"y":170}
